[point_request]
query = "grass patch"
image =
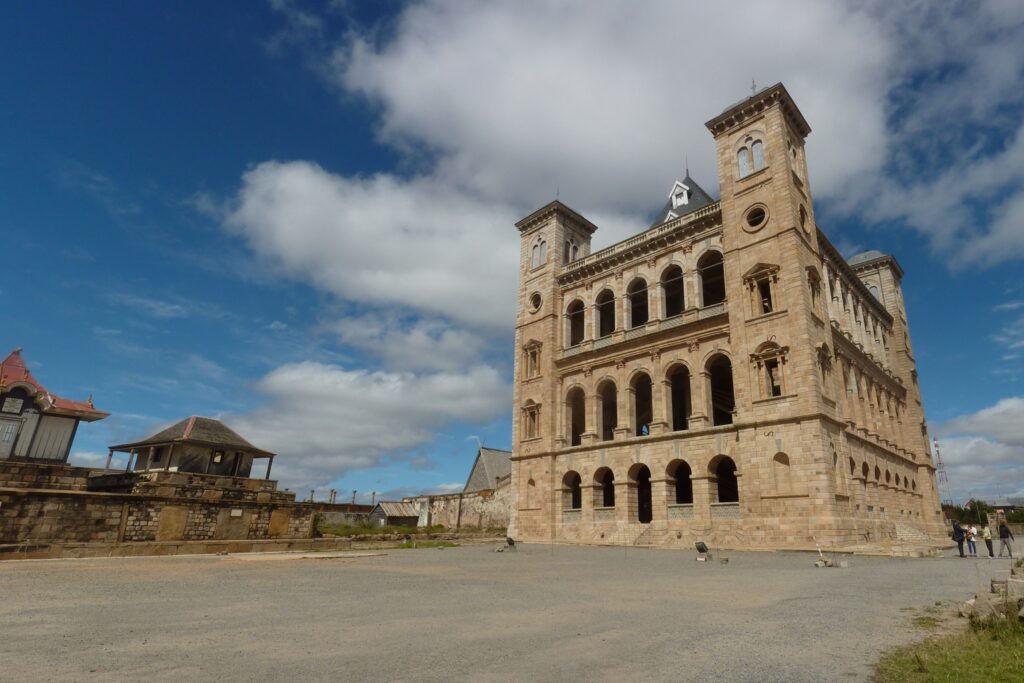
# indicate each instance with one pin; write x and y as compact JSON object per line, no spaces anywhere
{"x":980,"y":654}
{"x":346,"y":530}
{"x":928,"y":622}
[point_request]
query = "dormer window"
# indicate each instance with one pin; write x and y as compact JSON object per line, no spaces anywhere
{"x":681,"y":196}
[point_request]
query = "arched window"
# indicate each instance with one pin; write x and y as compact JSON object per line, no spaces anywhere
{"x":637,"y":293}
{"x":540,"y":254}
{"x":712,"y":278}
{"x":575,"y":251}
{"x":725,"y":475}
{"x":679,"y":474}
{"x":609,"y":397}
{"x":720,"y":390}
{"x":576,"y":410}
{"x":853,"y":467}
{"x":575,"y":318}
{"x":679,"y":381}
{"x":781,"y":472}
{"x":604,"y":482}
{"x":757,"y":148}
{"x":643,"y":409}
{"x":605,"y":305}
{"x":641,"y":477}
{"x":572,"y":491}
{"x":672,"y":286}
{"x":743,"y":161}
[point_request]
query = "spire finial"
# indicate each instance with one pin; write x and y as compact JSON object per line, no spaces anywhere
{"x":753,"y":87}
{"x":687,"y":165}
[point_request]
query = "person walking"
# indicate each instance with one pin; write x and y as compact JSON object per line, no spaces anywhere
{"x":986,"y":534}
{"x":958,"y":538}
{"x":1005,"y":538}
{"x":972,"y":545}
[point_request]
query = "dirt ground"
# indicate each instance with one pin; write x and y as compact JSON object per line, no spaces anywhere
{"x":539,"y":614}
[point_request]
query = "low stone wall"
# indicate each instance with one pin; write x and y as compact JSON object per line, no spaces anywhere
{"x":36,"y":475}
{"x":54,"y":504}
{"x":479,"y":509}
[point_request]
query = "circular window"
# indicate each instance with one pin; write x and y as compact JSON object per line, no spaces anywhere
{"x":535,"y":302}
{"x":755,"y":218}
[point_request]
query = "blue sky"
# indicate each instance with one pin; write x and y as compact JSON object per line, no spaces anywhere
{"x":298,"y":215}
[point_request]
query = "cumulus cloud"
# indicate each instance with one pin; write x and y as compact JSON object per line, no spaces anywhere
{"x":404,"y":344}
{"x":984,"y":451}
{"x":325,"y":420}
{"x":415,"y":243}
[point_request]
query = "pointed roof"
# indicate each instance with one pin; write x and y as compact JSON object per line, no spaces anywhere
{"x":490,"y":465}
{"x":196,"y":429}
{"x":695,"y":196}
{"x":14,"y":372}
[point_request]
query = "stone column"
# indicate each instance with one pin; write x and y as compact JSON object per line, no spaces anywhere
{"x":700,"y":415}
{"x":659,"y":500}
{"x":625,"y":501}
{"x":701,"y":497}
{"x":659,"y":423}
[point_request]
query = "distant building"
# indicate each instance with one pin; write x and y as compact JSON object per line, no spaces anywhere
{"x":196,"y":444}
{"x":387,"y":513}
{"x":490,"y":467}
{"x":35,"y":423}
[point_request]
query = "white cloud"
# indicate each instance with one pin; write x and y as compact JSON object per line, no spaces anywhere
{"x":984,"y":451}
{"x":602,"y":99}
{"x":403,"y":344}
{"x":381,"y":240}
{"x":325,"y":420}
{"x":154,"y":307}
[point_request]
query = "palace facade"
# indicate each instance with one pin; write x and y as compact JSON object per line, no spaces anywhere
{"x":725,"y":375}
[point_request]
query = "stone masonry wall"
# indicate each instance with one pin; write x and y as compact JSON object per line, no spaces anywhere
{"x":479,"y":509}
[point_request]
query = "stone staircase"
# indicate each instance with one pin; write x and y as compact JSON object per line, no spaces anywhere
{"x":905,"y":533}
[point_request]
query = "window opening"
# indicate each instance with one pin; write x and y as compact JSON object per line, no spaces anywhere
{"x":764,"y":292}
{"x":638,"y":313}
{"x":683,"y":485}
{"x":605,"y":313}
{"x":609,"y":410}
{"x":574,"y":491}
{"x":743,"y":161}
{"x":606,"y":480}
{"x":728,"y":487}
{"x":577,"y":416}
{"x":758,"y":151}
{"x":643,"y":404}
{"x":672,"y":285}
{"x":644,"y":501}
{"x":723,"y":401}
{"x":681,"y":409}
{"x":575,"y":315}
{"x":773,"y":377}
{"x":712,"y":278}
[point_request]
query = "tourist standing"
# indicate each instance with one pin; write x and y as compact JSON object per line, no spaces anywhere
{"x":1005,"y":536}
{"x":972,"y":545}
{"x":986,"y":534}
{"x":958,"y":537}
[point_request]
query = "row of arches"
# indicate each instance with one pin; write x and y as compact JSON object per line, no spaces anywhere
{"x":711,"y":284}
{"x":879,"y":476}
{"x":678,"y":476}
{"x":640,"y":402}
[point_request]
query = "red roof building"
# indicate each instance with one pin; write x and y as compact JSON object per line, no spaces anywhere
{"x":35,"y":423}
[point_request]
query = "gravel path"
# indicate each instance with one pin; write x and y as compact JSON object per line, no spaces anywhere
{"x":539,"y":614}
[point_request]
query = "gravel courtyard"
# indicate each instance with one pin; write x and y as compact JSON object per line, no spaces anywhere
{"x":540,"y":614}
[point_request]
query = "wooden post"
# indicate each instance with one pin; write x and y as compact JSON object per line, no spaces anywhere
{"x":170,"y":452}
{"x":269,"y":465}
{"x":110,"y":457}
